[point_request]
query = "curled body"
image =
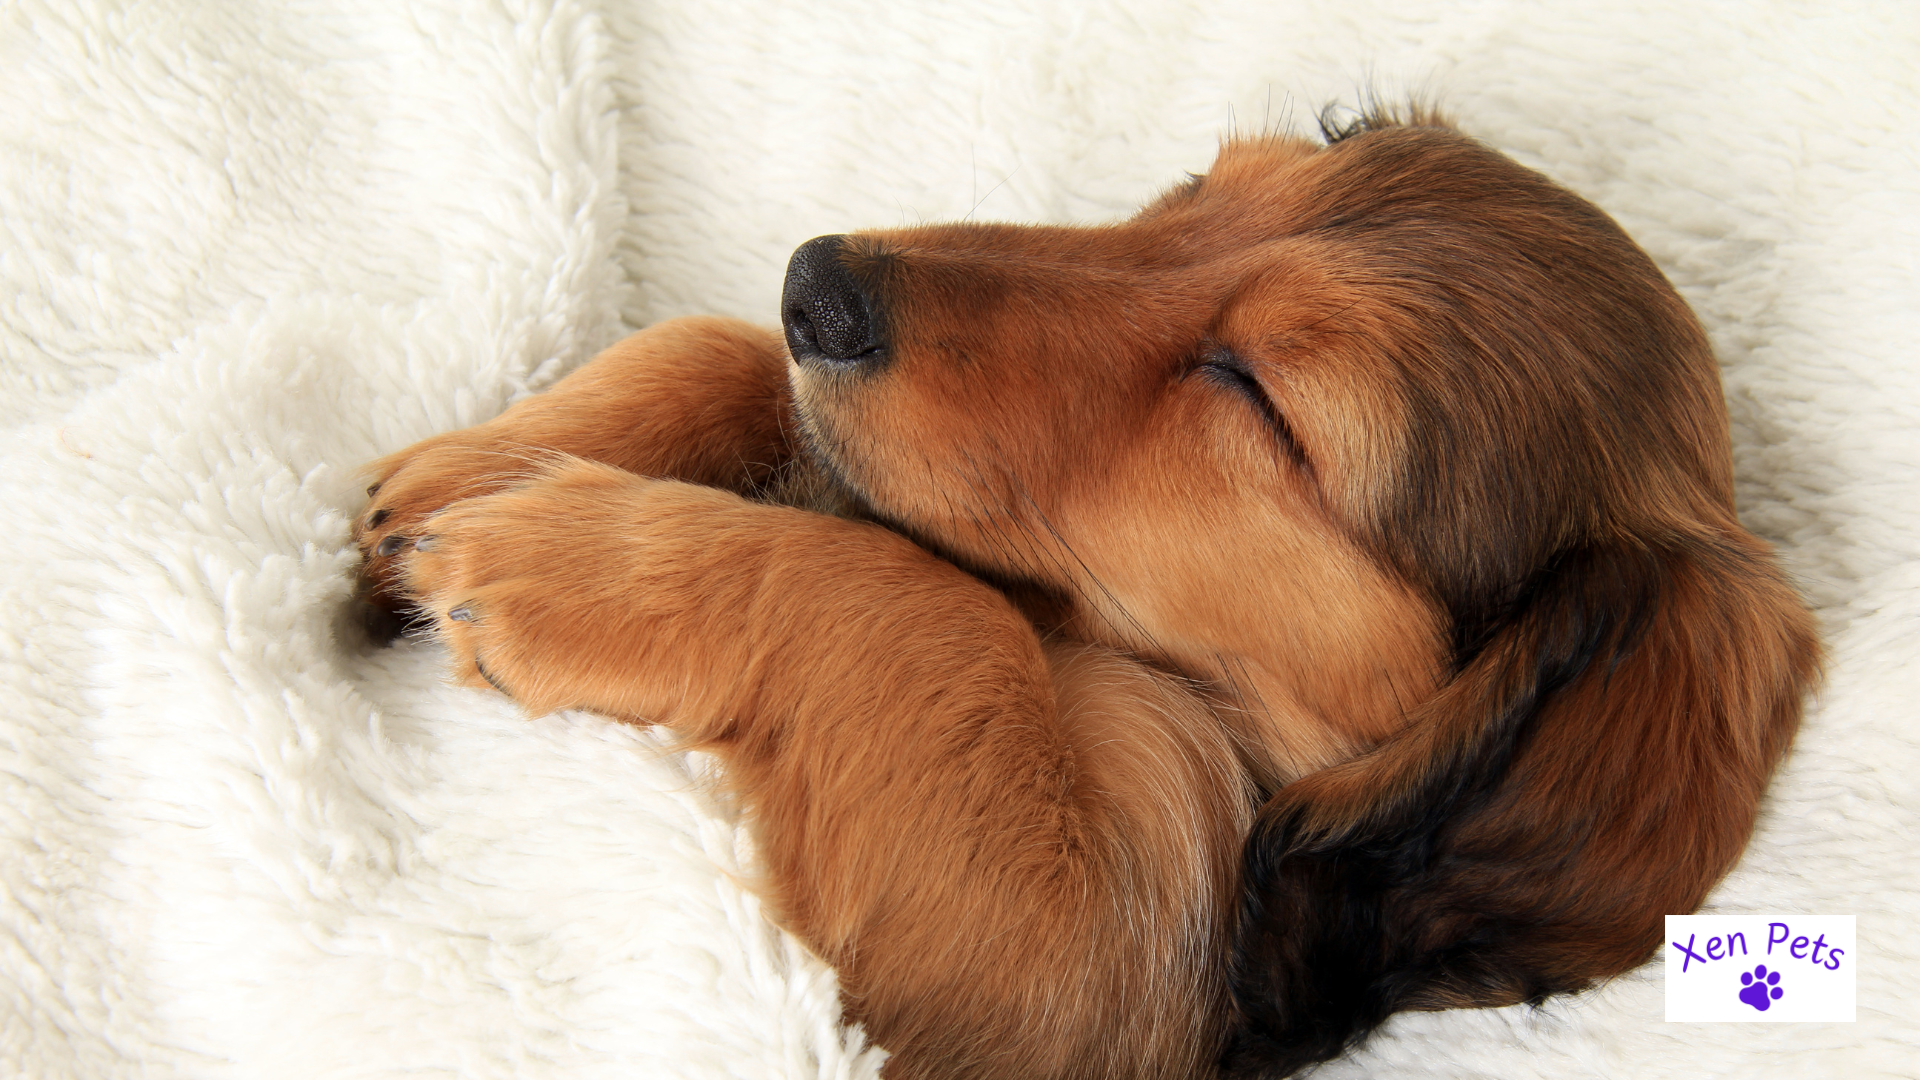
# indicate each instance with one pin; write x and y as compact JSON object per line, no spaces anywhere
{"x":1165,"y":648}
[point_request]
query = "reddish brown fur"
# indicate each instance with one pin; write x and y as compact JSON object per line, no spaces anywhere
{"x":1447,"y":575}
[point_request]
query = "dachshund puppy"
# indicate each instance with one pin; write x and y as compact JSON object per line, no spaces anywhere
{"x":1163,"y":649}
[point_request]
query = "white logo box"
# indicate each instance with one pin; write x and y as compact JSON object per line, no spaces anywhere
{"x":1760,"y":969}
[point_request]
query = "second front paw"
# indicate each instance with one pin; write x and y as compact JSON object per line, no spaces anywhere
{"x":415,"y":484}
{"x":551,"y":592}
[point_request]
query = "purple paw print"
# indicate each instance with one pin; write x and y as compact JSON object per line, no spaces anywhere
{"x":1762,"y":987}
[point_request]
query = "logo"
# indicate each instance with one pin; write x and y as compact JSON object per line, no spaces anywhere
{"x":1760,"y":986}
{"x":1760,"y":968}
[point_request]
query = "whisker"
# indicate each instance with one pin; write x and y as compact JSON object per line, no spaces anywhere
{"x":990,"y":191}
{"x":1141,"y":634}
{"x":1032,"y":543}
{"x":1331,"y":315}
{"x":998,"y":522}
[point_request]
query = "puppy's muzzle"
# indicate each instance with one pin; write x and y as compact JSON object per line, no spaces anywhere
{"x":832,"y":322}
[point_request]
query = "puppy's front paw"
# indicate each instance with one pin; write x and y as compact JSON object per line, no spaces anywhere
{"x":415,"y":484}
{"x":537,"y":591}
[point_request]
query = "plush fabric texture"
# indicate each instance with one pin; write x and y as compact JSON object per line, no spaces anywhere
{"x":250,"y":246}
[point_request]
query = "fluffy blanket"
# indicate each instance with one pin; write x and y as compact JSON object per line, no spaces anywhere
{"x":250,"y":246}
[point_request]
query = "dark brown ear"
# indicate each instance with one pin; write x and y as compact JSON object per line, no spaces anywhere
{"x":1595,"y":765}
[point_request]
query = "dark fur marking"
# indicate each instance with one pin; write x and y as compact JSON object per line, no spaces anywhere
{"x":1323,"y":956}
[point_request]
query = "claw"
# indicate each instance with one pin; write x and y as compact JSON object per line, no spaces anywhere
{"x":374,"y":519}
{"x":463,"y":613}
{"x":390,"y":545}
{"x":425,"y":543}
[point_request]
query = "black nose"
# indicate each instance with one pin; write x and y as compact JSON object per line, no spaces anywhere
{"x":830,"y":320}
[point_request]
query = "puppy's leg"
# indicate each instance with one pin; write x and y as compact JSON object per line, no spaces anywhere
{"x":1021,"y":858}
{"x":698,"y":399}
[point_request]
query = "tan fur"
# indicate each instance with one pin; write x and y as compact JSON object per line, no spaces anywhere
{"x":1044,"y":834}
{"x":1442,"y":571}
{"x":701,"y":399}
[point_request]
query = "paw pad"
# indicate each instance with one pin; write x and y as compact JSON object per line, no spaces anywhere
{"x":1762,"y":987}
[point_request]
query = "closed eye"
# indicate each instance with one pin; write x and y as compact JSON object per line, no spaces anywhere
{"x":1226,"y":368}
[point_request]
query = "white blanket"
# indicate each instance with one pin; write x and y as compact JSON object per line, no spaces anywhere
{"x":249,"y":246}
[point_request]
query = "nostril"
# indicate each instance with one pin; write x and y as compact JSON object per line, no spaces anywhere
{"x":798,"y":325}
{"x":830,"y":320}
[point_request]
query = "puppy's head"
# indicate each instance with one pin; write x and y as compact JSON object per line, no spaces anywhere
{"x":1308,"y":428}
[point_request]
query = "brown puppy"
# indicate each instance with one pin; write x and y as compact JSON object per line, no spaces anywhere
{"x":1179,"y":642}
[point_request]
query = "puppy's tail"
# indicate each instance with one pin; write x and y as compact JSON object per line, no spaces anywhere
{"x":1596,"y":763}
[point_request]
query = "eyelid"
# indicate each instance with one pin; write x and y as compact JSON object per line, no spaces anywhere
{"x":1228,"y":368}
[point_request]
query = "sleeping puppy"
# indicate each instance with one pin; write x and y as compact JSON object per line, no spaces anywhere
{"x":1166,"y":648}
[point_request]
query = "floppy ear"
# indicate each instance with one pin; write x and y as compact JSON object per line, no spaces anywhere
{"x":1595,"y":764}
